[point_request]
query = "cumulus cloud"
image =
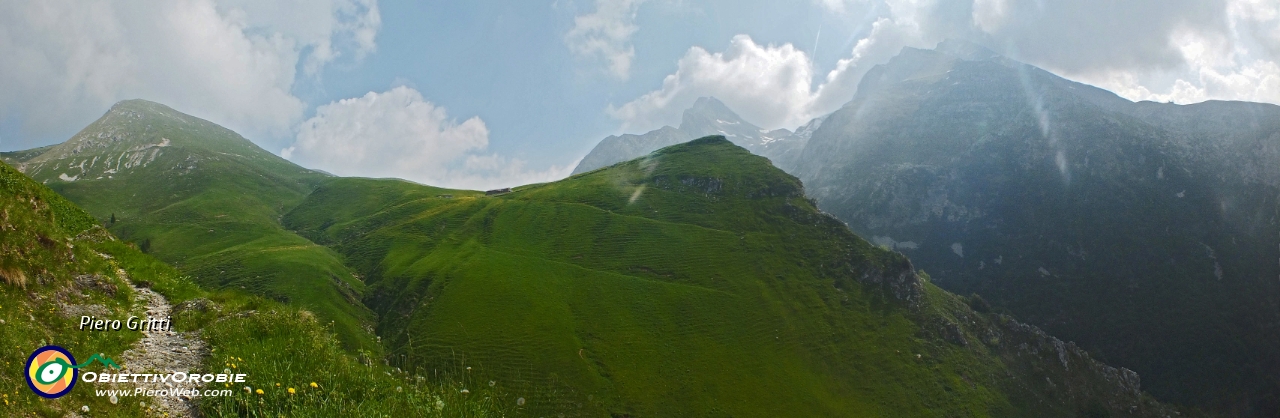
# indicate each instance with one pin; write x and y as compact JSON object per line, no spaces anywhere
{"x":233,"y":61}
{"x":771,"y":86}
{"x":398,"y":133}
{"x":606,"y":34}
{"x":1183,"y":51}
{"x":1168,"y":50}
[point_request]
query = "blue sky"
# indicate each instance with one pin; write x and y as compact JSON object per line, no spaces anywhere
{"x":486,"y":94}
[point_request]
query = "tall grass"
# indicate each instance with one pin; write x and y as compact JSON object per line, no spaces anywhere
{"x":296,"y":368}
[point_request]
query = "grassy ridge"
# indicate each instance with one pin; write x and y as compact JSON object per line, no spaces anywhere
{"x":695,"y":282}
{"x":53,"y":271}
{"x":206,"y":200}
{"x":56,"y":263}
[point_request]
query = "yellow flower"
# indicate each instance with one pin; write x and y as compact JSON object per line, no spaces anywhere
{"x":291,"y":391}
{"x":277,"y":385}
{"x":233,"y":365}
{"x":314,"y":385}
{"x":259,"y":391}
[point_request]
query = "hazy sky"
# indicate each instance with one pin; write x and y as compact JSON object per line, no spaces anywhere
{"x":483,"y":94}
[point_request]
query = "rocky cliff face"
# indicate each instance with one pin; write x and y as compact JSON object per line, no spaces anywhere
{"x":1146,"y":232}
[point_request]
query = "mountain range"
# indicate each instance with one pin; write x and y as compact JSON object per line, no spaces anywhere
{"x":1147,"y":232}
{"x":697,"y":280}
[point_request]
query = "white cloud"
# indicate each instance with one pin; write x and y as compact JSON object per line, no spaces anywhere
{"x":989,"y":15}
{"x":771,"y":86}
{"x":1235,"y":62}
{"x":1167,"y":50}
{"x":606,"y":34}
{"x":398,"y":133}
{"x":837,"y":6}
{"x":230,"y":61}
{"x":886,"y":39}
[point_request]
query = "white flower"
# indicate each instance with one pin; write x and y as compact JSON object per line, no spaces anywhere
{"x":520,"y":401}
{"x":114,"y":399}
{"x":84,"y":408}
{"x":439,"y":404}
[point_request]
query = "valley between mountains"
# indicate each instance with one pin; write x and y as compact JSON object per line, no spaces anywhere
{"x":713,"y":269}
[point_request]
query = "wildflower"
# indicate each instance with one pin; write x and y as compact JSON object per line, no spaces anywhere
{"x":114,"y":399}
{"x":464,"y":391}
{"x":248,"y":389}
{"x":399,"y":389}
{"x":314,"y":385}
{"x":84,"y":408}
{"x":491,"y":383}
{"x":259,"y":391}
{"x":226,"y":371}
{"x":277,"y":385}
{"x":519,"y":401}
{"x":468,"y":368}
{"x":291,"y":391}
{"x":439,"y":404}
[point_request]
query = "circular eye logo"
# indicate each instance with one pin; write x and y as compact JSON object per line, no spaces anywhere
{"x":51,"y":372}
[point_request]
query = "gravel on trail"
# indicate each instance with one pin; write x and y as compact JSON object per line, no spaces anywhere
{"x":163,"y":352}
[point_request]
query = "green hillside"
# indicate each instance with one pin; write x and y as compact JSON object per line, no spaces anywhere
{"x":697,"y":281}
{"x":57,"y":263}
{"x":206,"y":200}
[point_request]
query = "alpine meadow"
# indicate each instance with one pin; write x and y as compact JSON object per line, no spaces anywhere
{"x":640,"y":209}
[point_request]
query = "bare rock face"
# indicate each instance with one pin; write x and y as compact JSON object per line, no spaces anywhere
{"x":1140,"y":230}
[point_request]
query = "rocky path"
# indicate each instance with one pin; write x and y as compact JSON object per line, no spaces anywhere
{"x":163,"y":352}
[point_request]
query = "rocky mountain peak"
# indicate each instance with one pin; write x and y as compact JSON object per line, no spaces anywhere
{"x":709,"y":108}
{"x":965,"y":50}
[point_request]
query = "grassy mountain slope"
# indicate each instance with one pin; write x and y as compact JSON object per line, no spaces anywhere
{"x":57,"y":263}
{"x":208,"y":201}
{"x":697,"y":281}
